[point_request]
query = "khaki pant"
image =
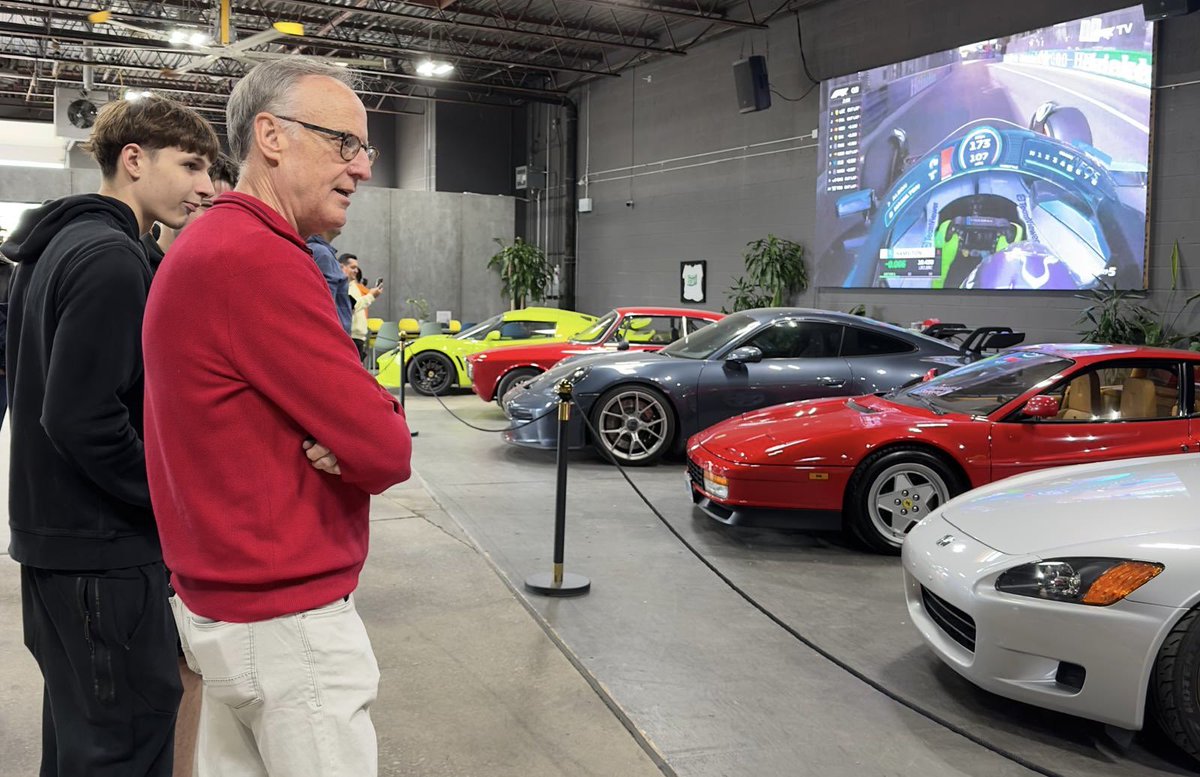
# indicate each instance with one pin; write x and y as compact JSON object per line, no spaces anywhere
{"x":287,"y":696}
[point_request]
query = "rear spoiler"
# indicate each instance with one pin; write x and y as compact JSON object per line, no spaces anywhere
{"x":975,"y":341}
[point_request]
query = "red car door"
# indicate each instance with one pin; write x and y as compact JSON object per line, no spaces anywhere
{"x":1111,"y":411}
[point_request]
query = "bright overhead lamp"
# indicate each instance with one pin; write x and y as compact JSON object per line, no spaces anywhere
{"x":428,"y":68}
{"x":137,"y":94}
{"x":192,"y":37}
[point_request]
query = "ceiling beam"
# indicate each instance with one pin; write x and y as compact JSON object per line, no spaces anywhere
{"x":665,"y":10}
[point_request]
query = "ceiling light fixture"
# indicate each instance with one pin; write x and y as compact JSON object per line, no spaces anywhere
{"x":137,"y":94}
{"x":428,"y":68}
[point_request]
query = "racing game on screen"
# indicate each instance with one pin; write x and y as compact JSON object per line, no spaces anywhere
{"x":1014,"y":163}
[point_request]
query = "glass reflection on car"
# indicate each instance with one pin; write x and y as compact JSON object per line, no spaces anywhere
{"x":595,"y":333}
{"x":985,"y":386}
{"x":704,"y":343}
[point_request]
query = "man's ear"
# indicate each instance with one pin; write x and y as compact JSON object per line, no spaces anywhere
{"x":269,"y":136}
{"x":133,"y":160}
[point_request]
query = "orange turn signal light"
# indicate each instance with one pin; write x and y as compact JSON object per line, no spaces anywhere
{"x":1120,"y":581}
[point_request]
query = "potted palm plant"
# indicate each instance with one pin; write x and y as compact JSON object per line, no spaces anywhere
{"x":524,"y":270}
{"x":774,"y":272}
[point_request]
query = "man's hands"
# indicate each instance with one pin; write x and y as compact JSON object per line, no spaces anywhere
{"x":321,"y":457}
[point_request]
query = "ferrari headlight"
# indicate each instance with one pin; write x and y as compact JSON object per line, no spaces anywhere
{"x":1094,"y":581}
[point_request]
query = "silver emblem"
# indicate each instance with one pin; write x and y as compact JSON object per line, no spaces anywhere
{"x":944,"y":541}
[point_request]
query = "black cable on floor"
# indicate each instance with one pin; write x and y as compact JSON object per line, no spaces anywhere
{"x":934,"y":717}
{"x":465,"y":422}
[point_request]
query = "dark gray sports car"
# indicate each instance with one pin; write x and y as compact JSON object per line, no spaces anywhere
{"x":646,"y":404}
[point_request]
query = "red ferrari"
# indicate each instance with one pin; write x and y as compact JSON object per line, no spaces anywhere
{"x":494,"y":372}
{"x":877,"y":464}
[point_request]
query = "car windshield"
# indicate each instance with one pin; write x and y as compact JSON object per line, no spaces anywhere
{"x":704,"y":343}
{"x":985,"y":386}
{"x":479,"y":330}
{"x":596,"y":331}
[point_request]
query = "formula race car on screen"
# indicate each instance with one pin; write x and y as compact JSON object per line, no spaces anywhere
{"x":998,"y":206}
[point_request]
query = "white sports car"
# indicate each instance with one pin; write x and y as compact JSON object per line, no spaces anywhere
{"x":1074,"y":589}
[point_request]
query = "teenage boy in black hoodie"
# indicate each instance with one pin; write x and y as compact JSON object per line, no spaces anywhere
{"x":93,"y":588}
{"x":224,"y":175}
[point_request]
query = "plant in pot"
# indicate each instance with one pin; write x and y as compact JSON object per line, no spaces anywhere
{"x":427,"y":325}
{"x":1117,"y":316}
{"x":525,"y":271}
{"x":775,"y":271}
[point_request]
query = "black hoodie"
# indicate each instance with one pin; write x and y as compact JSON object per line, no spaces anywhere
{"x":78,"y":497}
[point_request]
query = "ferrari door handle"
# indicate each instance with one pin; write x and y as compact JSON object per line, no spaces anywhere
{"x":833,"y":382}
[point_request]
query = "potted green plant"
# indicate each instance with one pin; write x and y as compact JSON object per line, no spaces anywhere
{"x":524,"y":270}
{"x":421,"y":312}
{"x":774,"y":271}
{"x":1116,"y":316}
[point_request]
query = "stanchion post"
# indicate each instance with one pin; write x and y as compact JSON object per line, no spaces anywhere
{"x":558,"y":582}
{"x":404,"y":375}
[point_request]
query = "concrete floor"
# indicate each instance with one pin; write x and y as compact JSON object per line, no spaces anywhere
{"x":663,"y":667}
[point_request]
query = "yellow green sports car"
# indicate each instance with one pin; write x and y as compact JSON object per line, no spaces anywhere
{"x":434,"y":363}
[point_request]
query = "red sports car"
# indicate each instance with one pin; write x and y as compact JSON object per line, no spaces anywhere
{"x":877,"y":464}
{"x":496,"y":371}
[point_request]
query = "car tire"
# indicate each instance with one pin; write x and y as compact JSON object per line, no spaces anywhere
{"x":633,"y":405}
{"x":515,"y":378}
{"x":430,"y":373}
{"x":1174,"y":702}
{"x":1065,"y":124}
{"x":892,"y":490}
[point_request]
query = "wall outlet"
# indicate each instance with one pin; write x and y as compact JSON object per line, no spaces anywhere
{"x":585,"y":204}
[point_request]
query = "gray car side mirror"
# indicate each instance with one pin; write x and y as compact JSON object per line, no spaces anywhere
{"x":744,"y":355}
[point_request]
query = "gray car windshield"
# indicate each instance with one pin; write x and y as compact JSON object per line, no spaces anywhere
{"x":704,"y":343}
{"x":985,"y":386}
{"x":596,"y":331}
{"x":479,"y":330}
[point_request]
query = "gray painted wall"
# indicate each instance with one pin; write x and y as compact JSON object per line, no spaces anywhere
{"x":425,"y":244}
{"x":752,"y":174}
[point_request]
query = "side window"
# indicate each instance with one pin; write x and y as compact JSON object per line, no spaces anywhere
{"x":651,"y":330}
{"x":1134,"y":391}
{"x":798,"y":340}
{"x":524,"y":330}
{"x":865,"y":342}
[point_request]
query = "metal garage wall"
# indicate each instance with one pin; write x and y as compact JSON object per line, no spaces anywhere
{"x":425,"y":244}
{"x":751,"y":174}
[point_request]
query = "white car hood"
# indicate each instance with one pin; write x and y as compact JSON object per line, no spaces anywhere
{"x":1090,"y":503}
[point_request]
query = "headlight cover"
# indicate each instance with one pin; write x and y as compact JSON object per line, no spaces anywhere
{"x":1079,"y":580}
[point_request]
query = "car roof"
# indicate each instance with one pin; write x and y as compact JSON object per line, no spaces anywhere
{"x":642,"y":310}
{"x":1098,"y":351}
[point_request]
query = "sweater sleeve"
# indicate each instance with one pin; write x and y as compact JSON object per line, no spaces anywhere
{"x":361,"y":301}
{"x":290,"y":348}
{"x":95,"y":358}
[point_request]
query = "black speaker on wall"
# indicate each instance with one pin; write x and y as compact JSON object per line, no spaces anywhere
{"x":1155,"y":10}
{"x":753,"y":88}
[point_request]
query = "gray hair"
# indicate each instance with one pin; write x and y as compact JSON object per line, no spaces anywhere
{"x":268,"y":88}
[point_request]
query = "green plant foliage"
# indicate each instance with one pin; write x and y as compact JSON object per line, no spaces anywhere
{"x":774,"y":271}
{"x":524,"y":271}
{"x":858,"y":310}
{"x":420,"y":307}
{"x":1119,"y":317}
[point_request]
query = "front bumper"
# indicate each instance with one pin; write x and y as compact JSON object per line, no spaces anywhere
{"x":1093,"y":662}
{"x":523,"y":406}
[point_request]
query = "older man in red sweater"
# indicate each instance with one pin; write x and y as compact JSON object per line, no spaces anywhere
{"x":265,"y":439}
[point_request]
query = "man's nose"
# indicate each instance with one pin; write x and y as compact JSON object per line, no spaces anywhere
{"x":360,"y":167}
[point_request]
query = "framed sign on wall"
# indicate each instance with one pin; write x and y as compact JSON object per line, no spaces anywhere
{"x":692,"y":281}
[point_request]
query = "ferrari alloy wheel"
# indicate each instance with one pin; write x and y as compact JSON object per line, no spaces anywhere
{"x":512,"y":378}
{"x":635,"y":424}
{"x":892,"y":491}
{"x":430,"y":373}
{"x":1174,"y":701}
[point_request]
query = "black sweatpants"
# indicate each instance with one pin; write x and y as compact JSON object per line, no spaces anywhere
{"x":105,"y":642}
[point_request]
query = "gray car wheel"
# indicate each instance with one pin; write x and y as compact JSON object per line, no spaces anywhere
{"x":635,"y":424}
{"x":891,"y":492}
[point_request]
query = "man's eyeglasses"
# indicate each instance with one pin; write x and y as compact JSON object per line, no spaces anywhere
{"x":351,"y":145}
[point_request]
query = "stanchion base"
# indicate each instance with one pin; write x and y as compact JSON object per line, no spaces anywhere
{"x":571,"y":585}
{"x":411,"y":433}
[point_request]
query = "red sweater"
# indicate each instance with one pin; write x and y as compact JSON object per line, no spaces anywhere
{"x":235,"y":381}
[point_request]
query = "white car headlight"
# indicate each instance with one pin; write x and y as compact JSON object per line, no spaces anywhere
{"x":1095,"y":581}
